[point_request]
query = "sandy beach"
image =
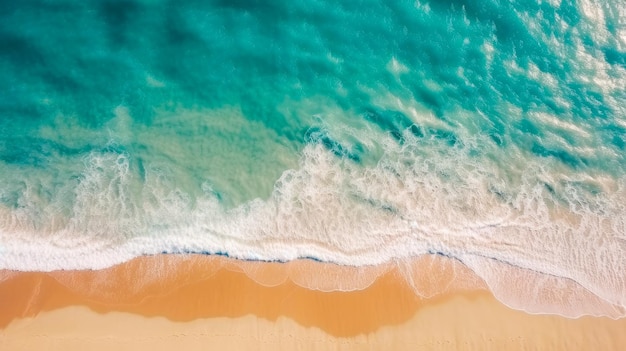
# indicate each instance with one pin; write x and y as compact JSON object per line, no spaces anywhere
{"x":198,"y":302}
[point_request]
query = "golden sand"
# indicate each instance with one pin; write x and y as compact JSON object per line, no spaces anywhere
{"x":195,"y":302}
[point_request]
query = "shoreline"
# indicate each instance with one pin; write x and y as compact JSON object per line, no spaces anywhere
{"x":141,"y":285}
{"x":231,"y":300}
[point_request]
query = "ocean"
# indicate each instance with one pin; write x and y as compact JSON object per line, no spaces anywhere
{"x":356,"y":132}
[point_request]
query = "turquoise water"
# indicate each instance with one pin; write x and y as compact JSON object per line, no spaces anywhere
{"x":356,"y":132}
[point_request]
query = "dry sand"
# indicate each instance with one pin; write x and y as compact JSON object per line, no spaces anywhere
{"x":198,"y":302}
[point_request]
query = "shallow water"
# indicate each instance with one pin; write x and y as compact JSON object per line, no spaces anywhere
{"x":492,"y":132}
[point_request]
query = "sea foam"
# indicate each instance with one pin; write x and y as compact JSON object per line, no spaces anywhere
{"x":523,"y":226}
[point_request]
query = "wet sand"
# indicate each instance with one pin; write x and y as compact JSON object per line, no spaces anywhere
{"x":171,"y":301}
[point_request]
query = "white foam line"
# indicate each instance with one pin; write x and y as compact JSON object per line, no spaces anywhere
{"x":421,"y":197}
